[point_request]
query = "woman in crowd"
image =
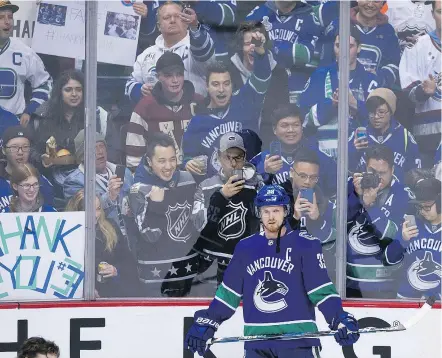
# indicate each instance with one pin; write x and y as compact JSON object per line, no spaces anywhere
{"x":116,"y":273}
{"x":57,"y":123}
{"x":25,"y":183}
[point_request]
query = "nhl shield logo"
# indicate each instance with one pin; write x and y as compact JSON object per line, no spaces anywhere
{"x":233,"y":224}
{"x":177,"y":221}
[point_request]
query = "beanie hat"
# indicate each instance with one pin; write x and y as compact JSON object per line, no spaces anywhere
{"x":387,"y":95}
{"x":79,"y":144}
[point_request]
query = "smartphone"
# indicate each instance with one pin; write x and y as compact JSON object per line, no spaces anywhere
{"x":239,"y":173}
{"x":275,"y":148}
{"x":119,"y":171}
{"x":307,"y":194}
{"x":411,"y":220}
{"x":256,"y":42}
{"x":361,"y":133}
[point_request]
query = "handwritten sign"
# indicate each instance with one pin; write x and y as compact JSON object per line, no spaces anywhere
{"x":24,"y":21}
{"x":41,"y":256}
{"x":60,"y":31}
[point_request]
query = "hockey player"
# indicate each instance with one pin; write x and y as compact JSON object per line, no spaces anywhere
{"x":275,"y":168}
{"x":383,"y":129}
{"x":226,"y":112}
{"x":320,"y":98}
{"x":376,"y":205}
{"x":421,"y":78}
{"x":380,"y":51}
{"x":419,"y":246}
{"x":280,"y":275}
{"x":161,"y":204}
{"x":223,"y":208}
{"x":19,"y":63}
{"x":182,"y":34}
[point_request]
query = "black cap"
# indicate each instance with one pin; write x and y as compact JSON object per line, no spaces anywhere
{"x":6,"y":5}
{"x":169,"y":60}
{"x":427,"y":190}
{"x":15,"y":132}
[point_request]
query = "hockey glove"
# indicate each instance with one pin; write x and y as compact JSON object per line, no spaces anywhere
{"x":202,"y":330}
{"x":345,"y":324}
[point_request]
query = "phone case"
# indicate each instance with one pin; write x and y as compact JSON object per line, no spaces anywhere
{"x":307,"y":194}
{"x":275,"y":148}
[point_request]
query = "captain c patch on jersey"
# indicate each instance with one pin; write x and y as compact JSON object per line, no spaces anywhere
{"x":233,"y":224}
{"x":269,"y":294}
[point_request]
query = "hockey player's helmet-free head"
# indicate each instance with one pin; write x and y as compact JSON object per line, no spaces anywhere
{"x":271,"y":195}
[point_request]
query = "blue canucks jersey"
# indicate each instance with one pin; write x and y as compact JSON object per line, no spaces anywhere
{"x":368,"y":231}
{"x":421,"y":256}
{"x":204,"y":130}
{"x":279,"y":290}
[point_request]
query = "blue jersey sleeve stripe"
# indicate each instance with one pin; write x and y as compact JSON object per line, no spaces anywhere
{"x":326,"y":298}
{"x":229,"y":289}
{"x":225,"y":303}
{"x":319,"y":287}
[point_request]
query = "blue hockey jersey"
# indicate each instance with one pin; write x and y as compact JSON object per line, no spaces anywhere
{"x":369,"y":230}
{"x":293,"y":36}
{"x":421,"y":256}
{"x":327,"y":171}
{"x":279,"y":291}
{"x":380,"y":51}
{"x":398,"y":139}
{"x":316,"y":101}
{"x":204,"y":130}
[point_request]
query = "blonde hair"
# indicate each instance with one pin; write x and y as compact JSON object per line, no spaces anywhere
{"x":76,"y":203}
{"x":18,"y":175}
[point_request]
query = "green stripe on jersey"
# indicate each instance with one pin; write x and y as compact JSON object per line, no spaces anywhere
{"x":224,"y":294}
{"x":301,"y":327}
{"x":259,"y":85}
{"x":317,"y":295}
{"x":301,"y":55}
{"x":374,"y":273}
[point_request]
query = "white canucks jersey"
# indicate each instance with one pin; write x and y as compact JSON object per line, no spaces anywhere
{"x":18,"y":64}
{"x":410,"y":18}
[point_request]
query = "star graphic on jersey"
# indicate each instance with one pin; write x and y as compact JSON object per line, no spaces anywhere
{"x":173,"y":271}
{"x":188,"y":267}
{"x":156,"y":272}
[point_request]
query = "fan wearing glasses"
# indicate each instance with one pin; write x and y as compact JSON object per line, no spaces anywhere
{"x":384,"y":129}
{"x":25,"y":183}
{"x":16,"y":149}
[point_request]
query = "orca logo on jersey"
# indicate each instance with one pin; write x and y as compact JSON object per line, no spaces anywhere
{"x":178,"y":217}
{"x":233,"y":225}
{"x":420,"y":269}
{"x":267,"y":289}
{"x":362,"y":241}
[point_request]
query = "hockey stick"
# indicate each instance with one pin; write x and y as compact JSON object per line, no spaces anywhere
{"x":396,"y":327}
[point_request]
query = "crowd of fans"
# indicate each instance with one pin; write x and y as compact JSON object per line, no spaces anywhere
{"x":222,"y":103}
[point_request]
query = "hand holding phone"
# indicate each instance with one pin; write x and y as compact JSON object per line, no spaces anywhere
{"x":239,"y":173}
{"x":307,"y":194}
{"x":275,"y":148}
{"x":409,"y":228}
{"x":411,"y":220}
{"x":120,"y":171}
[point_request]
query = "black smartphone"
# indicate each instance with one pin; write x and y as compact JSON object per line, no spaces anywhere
{"x":119,"y":171}
{"x":256,"y":42}
{"x":307,"y":194}
{"x":239,"y":173}
{"x":275,"y":148}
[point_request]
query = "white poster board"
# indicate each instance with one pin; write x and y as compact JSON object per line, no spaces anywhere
{"x":24,"y":21}
{"x":41,"y":256}
{"x":60,"y":30}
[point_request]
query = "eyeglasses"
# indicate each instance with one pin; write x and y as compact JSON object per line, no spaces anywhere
{"x":379,"y":114}
{"x":420,"y":207}
{"x":29,"y":186}
{"x":16,"y":148}
{"x":304,"y":177}
{"x":238,"y":158}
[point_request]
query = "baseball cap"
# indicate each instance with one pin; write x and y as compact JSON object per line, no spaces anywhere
{"x":168,"y":60}
{"x":6,"y":5}
{"x":427,"y":190}
{"x":15,"y":132}
{"x":231,"y":140}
